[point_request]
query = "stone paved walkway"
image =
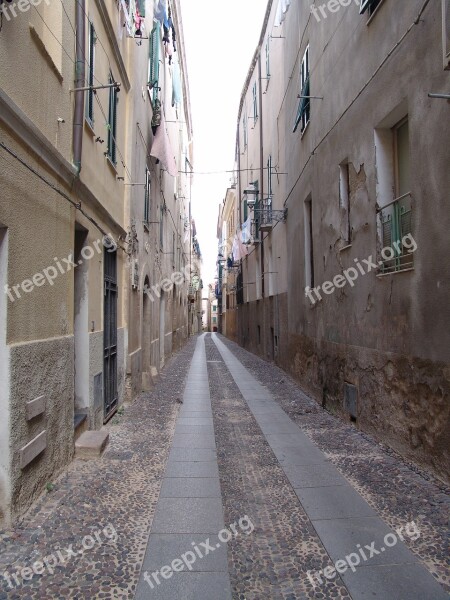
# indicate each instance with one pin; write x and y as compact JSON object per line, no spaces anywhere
{"x":245,"y":490}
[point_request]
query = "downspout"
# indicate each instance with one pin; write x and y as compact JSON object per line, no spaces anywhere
{"x":261,"y":167}
{"x":78,"y":118}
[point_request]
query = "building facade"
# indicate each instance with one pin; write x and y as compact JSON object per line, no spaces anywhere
{"x":227,"y":271}
{"x":95,"y":223}
{"x":342,"y":173}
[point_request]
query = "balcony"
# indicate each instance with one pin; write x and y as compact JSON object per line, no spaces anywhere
{"x":267,"y":217}
{"x":396,"y":243}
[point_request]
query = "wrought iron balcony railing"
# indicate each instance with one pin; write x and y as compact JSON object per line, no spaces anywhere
{"x":395,"y":227}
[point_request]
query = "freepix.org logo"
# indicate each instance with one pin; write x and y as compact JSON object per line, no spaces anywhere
{"x":9,"y":9}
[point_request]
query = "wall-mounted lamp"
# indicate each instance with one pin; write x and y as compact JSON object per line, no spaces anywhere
{"x":251,"y":194}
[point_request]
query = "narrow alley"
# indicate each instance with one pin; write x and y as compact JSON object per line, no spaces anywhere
{"x":228,"y":482}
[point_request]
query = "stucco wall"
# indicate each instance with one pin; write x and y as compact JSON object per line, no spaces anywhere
{"x":388,"y":335}
{"x":41,"y":368}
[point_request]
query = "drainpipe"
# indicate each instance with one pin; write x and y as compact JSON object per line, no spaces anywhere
{"x":78,"y":119}
{"x":261,"y":159}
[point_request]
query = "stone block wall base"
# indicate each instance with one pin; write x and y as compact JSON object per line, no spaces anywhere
{"x":91,"y":444}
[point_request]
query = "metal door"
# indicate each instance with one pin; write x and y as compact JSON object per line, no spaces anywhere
{"x":110,"y":335}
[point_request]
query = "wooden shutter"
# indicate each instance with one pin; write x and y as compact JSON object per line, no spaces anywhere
{"x":155,"y":48}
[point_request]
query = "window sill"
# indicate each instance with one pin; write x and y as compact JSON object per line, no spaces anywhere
{"x":345,"y":247}
{"x":113,"y":166}
{"x":372,"y":16}
{"x":306,"y":129}
{"x":89,"y":125}
{"x":146,"y":226}
{"x":380,"y":275}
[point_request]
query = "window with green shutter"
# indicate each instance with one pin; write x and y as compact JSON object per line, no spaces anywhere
{"x":112,"y":121}
{"x":153,"y":61}
{"x":255,"y":102}
{"x":147,"y":197}
{"x":90,"y":77}
{"x":268,"y":58}
{"x":304,"y":107}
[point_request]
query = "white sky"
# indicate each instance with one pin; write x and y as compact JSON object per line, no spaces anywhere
{"x":220,"y":39}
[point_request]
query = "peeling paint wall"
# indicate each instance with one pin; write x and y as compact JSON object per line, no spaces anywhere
{"x":387,"y":334}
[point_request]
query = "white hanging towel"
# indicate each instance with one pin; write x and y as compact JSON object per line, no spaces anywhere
{"x":283,"y":7}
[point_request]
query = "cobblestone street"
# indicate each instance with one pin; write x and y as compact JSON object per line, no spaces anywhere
{"x":226,"y":442}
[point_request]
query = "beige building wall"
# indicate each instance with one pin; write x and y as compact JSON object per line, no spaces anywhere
{"x":386,"y":335}
{"x":53,"y":334}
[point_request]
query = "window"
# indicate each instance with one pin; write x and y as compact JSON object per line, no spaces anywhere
{"x":304,"y":107}
{"x":446,"y":32}
{"x":90,"y":76}
{"x":344,"y":201}
{"x":112,"y":121}
{"x":255,"y":102}
{"x":245,"y":210}
{"x":153,"y":61}
{"x":269,"y":179}
{"x":369,"y":5}
{"x":402,"y":158}
{"x":214,"y":319}
{"x":173,"y":249}
{"x":214,"y":308}
{"x":268,"y":58}
{"x":147,"y":197}
{"x":395,"y":217}
{"x":245,"y":128}
{"x":309,"y":249}
{"x":161,"y":226}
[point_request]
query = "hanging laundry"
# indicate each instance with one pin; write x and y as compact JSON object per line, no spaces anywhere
{"x":162,"y":149}
{"x":246,"y":233}
{"x":239,"y":249}
{"x":174,"y":38}
{"x":283,"y":7}
{"x":138,"y":24}
{"x":160,"y":10}
{"x":176,"y":81}
{"x":156,"y":119}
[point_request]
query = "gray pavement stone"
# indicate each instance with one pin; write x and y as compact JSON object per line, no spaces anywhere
{"x":307,"y":454}
{"x":317,"y":475}
{"x":188,"y":515}
{"x":193,"y":440}
{"x":333,"y":502}
{"x":397,"y":582}
{"x":192,"y":428}
{"x":192,"y":455}
{"x":162,"y":549}
{"x":342,"y":537}
{"x":192,"y":469}
{"x":190,"y":487}
{"x":189,"y":586}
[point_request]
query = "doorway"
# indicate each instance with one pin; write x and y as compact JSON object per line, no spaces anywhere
{"x":162,"y":328}
{"x":80,"y":329}
{"x":111,"y":397}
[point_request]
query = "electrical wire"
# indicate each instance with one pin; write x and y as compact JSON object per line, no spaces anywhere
{"x":76,"y":205}
{"x":389,"y":54}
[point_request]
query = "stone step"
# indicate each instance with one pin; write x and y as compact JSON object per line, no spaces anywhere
{"x":80,"y":424}
{"x":91,"y":444}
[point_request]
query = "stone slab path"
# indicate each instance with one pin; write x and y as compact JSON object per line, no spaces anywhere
{"x":227,"y":482}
